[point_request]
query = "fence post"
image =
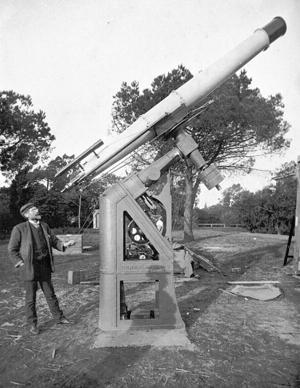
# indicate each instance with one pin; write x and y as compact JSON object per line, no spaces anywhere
{"x":297,"y":226}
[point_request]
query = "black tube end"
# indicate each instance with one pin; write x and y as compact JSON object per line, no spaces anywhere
{"x":276,"y":28}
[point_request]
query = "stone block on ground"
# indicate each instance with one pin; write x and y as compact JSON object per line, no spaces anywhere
{"x":78,"y":276}
{"x":74,"y":249}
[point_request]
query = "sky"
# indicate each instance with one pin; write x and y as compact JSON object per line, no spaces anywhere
{"x":71,"y":57}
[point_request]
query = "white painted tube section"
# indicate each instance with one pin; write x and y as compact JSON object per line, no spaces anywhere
{"x":186,"y":97}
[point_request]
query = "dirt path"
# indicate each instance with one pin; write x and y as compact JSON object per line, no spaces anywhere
{"x":238,"y":342}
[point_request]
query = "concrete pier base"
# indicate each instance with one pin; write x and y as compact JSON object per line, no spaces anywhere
{"x":153,"y":337}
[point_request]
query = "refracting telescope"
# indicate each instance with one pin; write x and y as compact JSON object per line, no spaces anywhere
{"x":134,"y":252}
{"x":173,"y":111}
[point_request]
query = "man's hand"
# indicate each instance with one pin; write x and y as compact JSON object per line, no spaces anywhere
{"x":19,"y":264}
{"x":69,"y":243}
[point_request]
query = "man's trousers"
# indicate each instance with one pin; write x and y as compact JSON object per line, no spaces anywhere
{"x":43,"y":279}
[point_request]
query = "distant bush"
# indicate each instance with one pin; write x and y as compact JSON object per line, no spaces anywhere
{"x":6,"y":225}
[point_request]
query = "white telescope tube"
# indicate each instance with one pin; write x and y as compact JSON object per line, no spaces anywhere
{"x":165,"y":115}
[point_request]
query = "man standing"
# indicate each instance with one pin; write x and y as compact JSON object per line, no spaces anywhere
{"x":30,"y":249}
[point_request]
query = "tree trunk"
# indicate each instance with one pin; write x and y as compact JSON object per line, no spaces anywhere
{"x":79,"y":212}
{"x":190,"y":196}
{"x":188,"y":207}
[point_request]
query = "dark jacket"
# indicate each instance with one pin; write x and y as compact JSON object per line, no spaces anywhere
{"x":20,"y":246}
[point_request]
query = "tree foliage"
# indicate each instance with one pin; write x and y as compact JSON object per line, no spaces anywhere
{"x":129,"y":103}
{"x":25,"y":140}
{"x":240,"y":123}
{"x":6,"y":219}
{"x":25,"y":137}
{"x":57,"y":208}
{"x":269,"y":210}
{"x":230,"y":131}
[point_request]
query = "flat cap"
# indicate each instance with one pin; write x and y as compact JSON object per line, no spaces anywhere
{"x":26,"y":207}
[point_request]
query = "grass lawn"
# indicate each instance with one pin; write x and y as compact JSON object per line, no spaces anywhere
{"x":238,"y":342}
